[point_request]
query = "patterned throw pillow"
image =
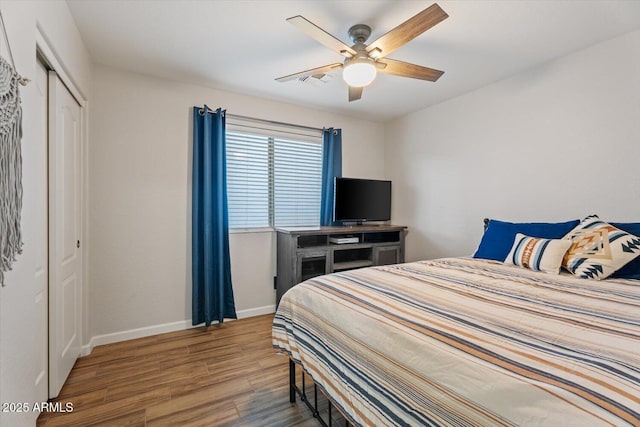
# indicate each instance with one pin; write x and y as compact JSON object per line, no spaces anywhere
{"x":632,"y":269}
{"x":538,"y":254}
{"x":598,"y":249}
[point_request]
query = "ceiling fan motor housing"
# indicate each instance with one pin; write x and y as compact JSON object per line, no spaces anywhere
{"x":359,"y":33}
{"x":359,"y":69}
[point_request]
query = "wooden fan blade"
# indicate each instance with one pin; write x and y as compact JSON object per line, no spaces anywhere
{"x":320,"y":70}
{"x":404,"y":69}
{"x":321,"y":35}
{"x":355,"y":93}
{"x":408,"y":30}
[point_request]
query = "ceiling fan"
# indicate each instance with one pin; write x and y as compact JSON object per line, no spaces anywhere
{"x":364,"y":61}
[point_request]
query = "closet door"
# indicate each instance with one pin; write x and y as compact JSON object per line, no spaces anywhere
{"x":65,"y":259}
{"x":41,"y":274}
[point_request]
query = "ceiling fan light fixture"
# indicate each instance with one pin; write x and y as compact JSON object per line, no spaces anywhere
{"x":359,"y":73}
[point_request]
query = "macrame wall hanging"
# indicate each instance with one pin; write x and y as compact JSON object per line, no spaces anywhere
{"x":10,"y":160}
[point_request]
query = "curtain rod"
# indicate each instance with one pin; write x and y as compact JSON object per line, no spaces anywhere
{"x":270,"y":122}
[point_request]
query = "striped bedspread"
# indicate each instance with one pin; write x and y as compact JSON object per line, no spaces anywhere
{"x":467,"y":342}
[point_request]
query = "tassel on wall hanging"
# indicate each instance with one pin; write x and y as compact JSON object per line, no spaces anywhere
{"x":10,"y":160}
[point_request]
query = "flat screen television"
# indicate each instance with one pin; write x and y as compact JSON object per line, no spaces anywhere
{"x":359,"y":200}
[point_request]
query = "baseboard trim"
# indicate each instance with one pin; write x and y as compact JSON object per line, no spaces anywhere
{"x":257,"y":311}
{"x":161,"y":329}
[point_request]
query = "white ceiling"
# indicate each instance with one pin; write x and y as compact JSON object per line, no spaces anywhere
{"x":242,"y":46}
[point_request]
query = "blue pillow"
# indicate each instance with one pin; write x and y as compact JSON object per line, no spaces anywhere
{"x":499,"y":236}
{"x":632,"y":269}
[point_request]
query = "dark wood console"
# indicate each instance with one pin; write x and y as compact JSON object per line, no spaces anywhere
{"x":304,"y":253}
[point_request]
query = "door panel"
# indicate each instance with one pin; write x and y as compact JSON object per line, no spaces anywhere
{"x":70,"y":231}
{"x":70,"y":330}
{"x":41,"y":335}
{"x":65,"y":264}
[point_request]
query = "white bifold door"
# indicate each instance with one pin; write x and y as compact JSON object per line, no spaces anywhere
{"x":65,"y":260}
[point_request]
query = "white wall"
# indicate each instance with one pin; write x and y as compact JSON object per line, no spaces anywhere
{"x":140,"y":272}
{"x":20,"y":323}
{"x":553,"y":143}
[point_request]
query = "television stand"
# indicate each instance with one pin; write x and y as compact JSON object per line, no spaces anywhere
{"x":304,"y":253}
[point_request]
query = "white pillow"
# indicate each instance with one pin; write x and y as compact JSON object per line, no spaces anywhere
{"x":538,"y":254}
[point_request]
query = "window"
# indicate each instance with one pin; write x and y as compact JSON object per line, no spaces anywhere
{"x":273,"y":180}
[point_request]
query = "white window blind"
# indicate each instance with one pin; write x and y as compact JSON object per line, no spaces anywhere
{"x":273,"y":181}
{"x":297,"y":182}
{"x":247,"y":180}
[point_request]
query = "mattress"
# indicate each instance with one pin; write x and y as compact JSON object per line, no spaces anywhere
{"x":467,"y":342}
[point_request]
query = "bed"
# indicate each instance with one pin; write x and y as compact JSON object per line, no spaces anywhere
{"x":467,"y":342}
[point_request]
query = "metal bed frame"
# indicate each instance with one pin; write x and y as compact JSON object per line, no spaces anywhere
{"x":313,"y":407}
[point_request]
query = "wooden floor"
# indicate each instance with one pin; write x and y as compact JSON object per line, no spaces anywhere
{"x":226,"y":375}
